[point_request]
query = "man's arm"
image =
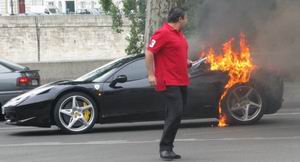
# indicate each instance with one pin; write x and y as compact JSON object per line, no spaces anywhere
{"x":150,"y":67}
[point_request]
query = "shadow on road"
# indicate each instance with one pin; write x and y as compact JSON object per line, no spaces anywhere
{"x":128,"y":128}
{"x":99,"y":129}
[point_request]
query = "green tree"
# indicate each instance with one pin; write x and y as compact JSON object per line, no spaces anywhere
{"x":111,"y":9}
{"x":157,"y":11}
{"x":142,"y":24}
{"x":134,"y":11}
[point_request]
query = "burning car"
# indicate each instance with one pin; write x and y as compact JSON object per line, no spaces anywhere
{"x":119,"y":92}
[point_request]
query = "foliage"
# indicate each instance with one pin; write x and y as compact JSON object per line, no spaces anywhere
{"x":111,"y":9}
{"x":134,"y":11}
{"x":106,"y":4}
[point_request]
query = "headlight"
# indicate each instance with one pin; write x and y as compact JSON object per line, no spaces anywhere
{"x":17,"y":100}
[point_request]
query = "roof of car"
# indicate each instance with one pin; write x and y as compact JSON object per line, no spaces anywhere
{"x":138,"y":55}
{"x":11,"y":65}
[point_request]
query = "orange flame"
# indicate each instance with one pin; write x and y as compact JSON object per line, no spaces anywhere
{"x":238,"y":65}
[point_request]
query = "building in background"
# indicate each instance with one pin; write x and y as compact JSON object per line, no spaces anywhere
{"x":12,"y":7}
{"x":71,"y":6}
{"x":9,"y":7}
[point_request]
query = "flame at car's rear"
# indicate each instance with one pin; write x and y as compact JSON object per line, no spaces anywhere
{"x":237,"y":63}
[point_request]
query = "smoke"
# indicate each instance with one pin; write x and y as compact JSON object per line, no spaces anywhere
{"x":272,"y":28}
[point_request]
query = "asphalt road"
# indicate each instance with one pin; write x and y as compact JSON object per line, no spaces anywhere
{"x":276,"y":138}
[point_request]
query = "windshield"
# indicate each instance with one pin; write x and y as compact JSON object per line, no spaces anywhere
{"x":105,"y":69}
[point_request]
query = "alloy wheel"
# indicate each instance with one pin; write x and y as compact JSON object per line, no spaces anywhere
{"x":76,"y":113}
{"x":244,"y":103}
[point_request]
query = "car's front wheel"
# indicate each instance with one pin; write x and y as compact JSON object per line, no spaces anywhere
{"x":75,"y":112}
{"x":244,"y":104}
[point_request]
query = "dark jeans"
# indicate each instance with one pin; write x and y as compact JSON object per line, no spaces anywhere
{"x":175,"y":98}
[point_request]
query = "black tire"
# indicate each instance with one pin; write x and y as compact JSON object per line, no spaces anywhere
{"x":61,"y":118}
{"x":231,"y":109}
{"x":1,"y":115}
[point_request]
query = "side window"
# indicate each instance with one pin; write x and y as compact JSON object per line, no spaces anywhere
{"x":134,"y":71}
{"x":4,"y":69}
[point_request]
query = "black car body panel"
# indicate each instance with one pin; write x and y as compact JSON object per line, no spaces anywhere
{"x":272,"y":86}
{"x":135,"y":100}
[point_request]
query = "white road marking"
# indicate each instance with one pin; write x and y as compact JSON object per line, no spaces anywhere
{"x":118,"y":142}
{"x":282,"y":114}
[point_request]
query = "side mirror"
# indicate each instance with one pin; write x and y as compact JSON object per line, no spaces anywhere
{"x":119,"y":79}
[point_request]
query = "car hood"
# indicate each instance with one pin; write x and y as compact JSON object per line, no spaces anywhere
{"x":65,"y":82}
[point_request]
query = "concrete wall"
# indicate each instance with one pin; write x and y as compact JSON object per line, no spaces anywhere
{"x":54,"y":71}
{"x":30,"y":39}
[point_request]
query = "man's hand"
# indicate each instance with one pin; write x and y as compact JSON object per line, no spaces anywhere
{"x":190,"y":63}
{"x":152,"y":80}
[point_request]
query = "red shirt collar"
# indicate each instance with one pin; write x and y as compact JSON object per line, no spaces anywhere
{"x":169,"y":27}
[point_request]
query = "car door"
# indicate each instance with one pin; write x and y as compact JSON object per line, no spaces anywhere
{"x":135,"y":97}
{"x":204,"y":90}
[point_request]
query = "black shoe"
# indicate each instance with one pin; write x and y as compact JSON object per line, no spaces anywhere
{"x":176,"y":156}
{"x":167,"y":155}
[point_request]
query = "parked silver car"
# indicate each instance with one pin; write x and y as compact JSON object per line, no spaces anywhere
{"x":15,"y":80}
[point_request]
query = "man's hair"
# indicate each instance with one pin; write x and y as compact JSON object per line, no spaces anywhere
{"x":175,"y":13}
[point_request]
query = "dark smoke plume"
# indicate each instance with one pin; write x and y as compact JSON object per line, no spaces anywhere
{"x":271,"y":26}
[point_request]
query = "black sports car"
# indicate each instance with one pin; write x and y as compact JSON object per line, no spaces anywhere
{"x":119,"y":92}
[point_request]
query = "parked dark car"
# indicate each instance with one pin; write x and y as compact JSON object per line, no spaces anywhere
{"x":120,"y":92}
{"x":15,"y":80}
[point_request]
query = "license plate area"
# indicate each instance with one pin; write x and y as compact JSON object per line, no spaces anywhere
{"x":34,"y":82}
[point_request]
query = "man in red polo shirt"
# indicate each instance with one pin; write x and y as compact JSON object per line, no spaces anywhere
{"x":167,"y":64}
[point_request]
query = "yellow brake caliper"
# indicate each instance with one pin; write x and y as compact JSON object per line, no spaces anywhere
{"x":86,"y":113}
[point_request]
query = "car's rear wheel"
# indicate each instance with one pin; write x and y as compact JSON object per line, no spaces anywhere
{"x":244,"y":104}
{"x":1,"y":115}
{"x":75,"y":112}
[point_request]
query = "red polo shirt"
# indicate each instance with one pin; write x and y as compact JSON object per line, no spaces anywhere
{"x":170,"y":49}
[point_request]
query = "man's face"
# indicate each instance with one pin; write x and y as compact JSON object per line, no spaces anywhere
{"x":183,"y":21}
